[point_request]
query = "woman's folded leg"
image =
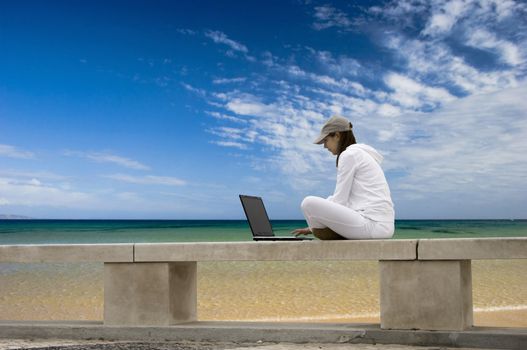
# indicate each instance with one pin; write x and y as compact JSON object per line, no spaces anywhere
{"x":321,"y":213}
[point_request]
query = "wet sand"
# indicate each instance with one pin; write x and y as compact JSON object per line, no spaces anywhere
{"x":336,"y":291}
{"x":511,"y":318}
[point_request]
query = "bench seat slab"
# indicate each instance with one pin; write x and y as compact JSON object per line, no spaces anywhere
{"x":157,"y":294}
{"x":473,"y":248}
{"x":395,"y":249}
{"x":55,"y":253}
{"x":428,"y":295}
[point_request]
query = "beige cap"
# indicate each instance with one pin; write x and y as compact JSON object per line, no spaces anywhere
{"x":334,"y":124}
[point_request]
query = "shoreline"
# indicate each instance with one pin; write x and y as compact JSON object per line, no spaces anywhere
{"x":494,"y":318}
{"x":498,"y":319}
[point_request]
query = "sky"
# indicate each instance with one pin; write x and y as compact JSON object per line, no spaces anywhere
{"x":171,"y":109}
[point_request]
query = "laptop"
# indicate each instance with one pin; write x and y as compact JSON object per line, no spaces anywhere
{"x":259,"y":221}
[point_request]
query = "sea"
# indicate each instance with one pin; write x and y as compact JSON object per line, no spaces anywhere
{"x":125,"y":231}
{"x":308,"y":291}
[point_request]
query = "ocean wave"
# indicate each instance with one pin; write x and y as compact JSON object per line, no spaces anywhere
{"x":313,"y":318}
{"x":500,"y":308}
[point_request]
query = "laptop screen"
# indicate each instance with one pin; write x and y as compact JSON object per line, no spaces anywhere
{"x":257,"y":216}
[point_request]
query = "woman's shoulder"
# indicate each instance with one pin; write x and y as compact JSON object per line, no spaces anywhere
{"x":362,"y":151}
{"x":351,"y":154}
{"x":353,"y":150}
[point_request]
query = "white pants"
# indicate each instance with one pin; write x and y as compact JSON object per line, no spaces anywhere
{"x":322,"y":213}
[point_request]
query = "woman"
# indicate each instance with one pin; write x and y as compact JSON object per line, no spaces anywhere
{"x":361,"y":207}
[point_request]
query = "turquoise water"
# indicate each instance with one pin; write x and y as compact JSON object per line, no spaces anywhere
{"x":122,"y":231}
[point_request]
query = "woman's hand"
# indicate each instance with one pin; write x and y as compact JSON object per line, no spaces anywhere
{"x":301,"y":231}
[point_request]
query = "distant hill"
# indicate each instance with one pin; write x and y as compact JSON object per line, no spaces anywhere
{"x":14,"y":217}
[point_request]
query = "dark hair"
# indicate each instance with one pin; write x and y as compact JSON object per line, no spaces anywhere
{"x":346,"y":138}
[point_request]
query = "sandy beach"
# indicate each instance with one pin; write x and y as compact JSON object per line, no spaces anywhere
{"x":334,"y":291}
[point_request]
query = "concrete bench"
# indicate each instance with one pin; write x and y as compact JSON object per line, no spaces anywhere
{"x":425,"y":284}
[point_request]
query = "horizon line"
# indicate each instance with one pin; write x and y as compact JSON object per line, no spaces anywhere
{"x":241,"y":219}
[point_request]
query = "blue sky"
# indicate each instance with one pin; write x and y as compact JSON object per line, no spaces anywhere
{"x":170,"y":109}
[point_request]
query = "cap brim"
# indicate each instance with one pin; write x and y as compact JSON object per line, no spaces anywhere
{"x":320,"y":139}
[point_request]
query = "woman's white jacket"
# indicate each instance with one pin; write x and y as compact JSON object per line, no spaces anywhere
{"x":361,"y":184}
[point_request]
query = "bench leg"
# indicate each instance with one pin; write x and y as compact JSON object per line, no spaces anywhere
{"x":150,"y":293}
{"x":433,"y":295}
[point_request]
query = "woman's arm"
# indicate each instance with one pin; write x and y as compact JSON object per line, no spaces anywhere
{"x":348,"y":164}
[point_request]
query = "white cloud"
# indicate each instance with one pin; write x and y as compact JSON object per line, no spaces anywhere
{"x":32,"y":174}
{"x":472,"y":148}
{"x":250,"y":105}
{"x":234,"y":137}
{"x":444,"y":16}
{"x":14,"y":152}
{"x":388,"y":110}
{"x":400,"y":10}
{"x":284,"y":126}
{"x":147,"y":179}
{"x":327,"y":16}
{"x":229,"y":80}
{"x":39,"y":198}
{"x":234,"y":144}
{"x":109,"y":158}
{"x":223,"y":116}
{"x":437,"y":62}
{"x":269,"y":59}
{"x":341,"y":66}
{"x":186,"y":31}
{"x":481,"y":24}
{"x":228,"y":132}
{"x":505,"y":8}
{"x":412,"y":94}
{"x":34,"y":182}
{"x":34,"y":193}
{"x":197,"y":91}
{"x":338,"y":84}
{"x":221,"y":38}
{"x":482,"y":39}
{"x":31,"y":197}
